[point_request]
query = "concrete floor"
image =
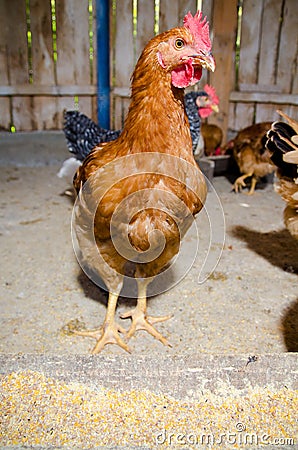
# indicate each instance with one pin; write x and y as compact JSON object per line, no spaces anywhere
{"x":249,"y":304}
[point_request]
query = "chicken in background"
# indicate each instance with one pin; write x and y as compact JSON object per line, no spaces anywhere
{"x":156,"y":128}
{"x":282,"y":143}
{"x":250,"y":153}
{"x":212,"y":137}
{"x":82,"y":134}
{"x":200,"y":105}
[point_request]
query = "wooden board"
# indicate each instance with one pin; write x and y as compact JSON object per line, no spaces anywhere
{"x":73,"y":64}
{"x":267,"y":73}
{"x":241,"y":115}
{"x":172,"y":12}
{"x":225,"y":25}
{"x":250,"y":32}
{"x":168,"y":14}
{"x":287,"y":76}
{"x":269,"y":112}
{"x":45,"y":115}
{"x":263,"y":97}
{"x":93,"y":75}
{"x":14,"y":34}
{"x":43,"y":69}
{"x":123,"y":52}
{"x":72,"y":42}
{"x":122,"y":57}
{"x":184,"y":7}
{"x":42,"y":43}
{"x":121,"y":108}
{"x":145,"y":25}
{"x":5,"y":118}
{"x":269,"y":41}
{"x":207,"y":8}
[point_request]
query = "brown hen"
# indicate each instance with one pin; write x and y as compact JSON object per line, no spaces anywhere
{"x":138,"y":194}
{"x":251,"y":155}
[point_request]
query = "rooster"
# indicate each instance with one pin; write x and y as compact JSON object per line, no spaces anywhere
{"x":282,"y":142}
{"x":152,"y":156}
{"x":82,"y":134}
{"x":251,"y":155}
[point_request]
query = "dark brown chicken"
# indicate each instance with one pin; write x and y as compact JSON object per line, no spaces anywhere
{"x":138,"y":194}
{"x":251,"y":155}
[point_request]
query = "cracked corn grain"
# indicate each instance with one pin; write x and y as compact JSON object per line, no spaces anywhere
{"x":41,"y":411}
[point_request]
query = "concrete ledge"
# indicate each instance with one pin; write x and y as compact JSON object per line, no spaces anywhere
{"x":181,"y":377}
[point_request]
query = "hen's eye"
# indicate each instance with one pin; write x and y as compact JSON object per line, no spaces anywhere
{"x":179,"y":43}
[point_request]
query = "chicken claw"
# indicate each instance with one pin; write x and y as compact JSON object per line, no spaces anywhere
{"x":240,"y":183}
{"x":142,"y":322}
{"x":107,"y":334}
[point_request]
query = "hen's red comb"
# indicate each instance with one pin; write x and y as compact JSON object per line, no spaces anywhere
{"x":199,"y":29}
{"x":211,"y":93}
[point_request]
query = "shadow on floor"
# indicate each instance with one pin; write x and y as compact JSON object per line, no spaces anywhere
{"x":94,"y":292}
{"x":290,"y":327}
{"x":281,"y":250}
{"x":277,"y":247}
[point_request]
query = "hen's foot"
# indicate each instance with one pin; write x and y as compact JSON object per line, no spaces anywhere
{"x":107,"y":334}
{"x":239,"y":184}
{"x":140,"y":321}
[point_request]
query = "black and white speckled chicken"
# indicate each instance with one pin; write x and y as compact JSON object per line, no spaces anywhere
{"x":82,"y":134}
{"x":283,"y":144}
{"x":199,"y":105}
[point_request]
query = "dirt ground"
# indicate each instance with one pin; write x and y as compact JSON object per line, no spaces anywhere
{"x":249,"y":304}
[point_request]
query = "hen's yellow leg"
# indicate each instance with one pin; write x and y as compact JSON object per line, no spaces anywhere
{"x":108,"y":333}
{"x":239,"y":183}
{"x":140,"y":320}
{"x":253,"y":185}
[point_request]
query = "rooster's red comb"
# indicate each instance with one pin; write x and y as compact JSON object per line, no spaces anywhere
{"x":199,"y":29}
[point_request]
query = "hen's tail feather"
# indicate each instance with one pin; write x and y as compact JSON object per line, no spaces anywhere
{"x":82,"y":134}
{"x":279,"y":142}
{"x":293,"y":123}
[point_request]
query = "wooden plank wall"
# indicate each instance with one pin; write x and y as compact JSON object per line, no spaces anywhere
{"x":34,"y":90}
{"x":267,"y":73}
{"x":268,"y":77}
{"x":222,"y":17}
{"x":125,"y":52}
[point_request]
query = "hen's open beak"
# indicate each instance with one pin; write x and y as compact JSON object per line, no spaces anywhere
{"x":206,"y":61}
